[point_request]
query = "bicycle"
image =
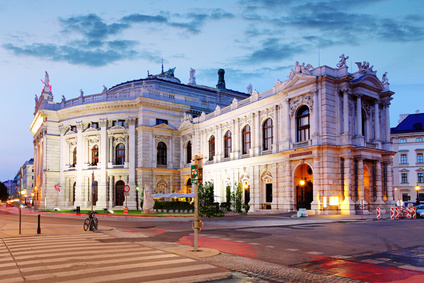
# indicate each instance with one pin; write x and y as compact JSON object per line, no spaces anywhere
{"x":91,"y":222}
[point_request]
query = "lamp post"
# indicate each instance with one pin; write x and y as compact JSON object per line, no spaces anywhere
{"x":136,"y":195}
{"x":417,"y":188}
{"x":302,"y":202}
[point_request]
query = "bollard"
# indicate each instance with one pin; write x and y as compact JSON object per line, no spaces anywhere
{"x":392,"y":213}
{"x":39,"y":227}
{"x":378,"y":213}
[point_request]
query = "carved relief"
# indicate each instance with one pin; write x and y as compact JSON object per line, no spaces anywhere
{"x":296,"y":102}
{"x":267,"y":177}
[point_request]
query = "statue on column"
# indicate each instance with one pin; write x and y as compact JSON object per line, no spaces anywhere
{"x":192,"y":79}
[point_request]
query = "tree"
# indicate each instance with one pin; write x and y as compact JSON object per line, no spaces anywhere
{"x":207,"y":207}
{"x":4,"y":195}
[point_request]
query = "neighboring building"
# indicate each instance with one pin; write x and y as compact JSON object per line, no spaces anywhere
{"x":325,"y":127}
{"x":408,"y":162}
{"x":10,"y":188}
{"x":27,"y":180}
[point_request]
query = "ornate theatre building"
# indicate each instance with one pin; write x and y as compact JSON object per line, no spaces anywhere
{"x":319,"y":140}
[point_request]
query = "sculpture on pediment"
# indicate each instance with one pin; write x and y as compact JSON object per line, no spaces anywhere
{"x":192,"y":79}
{"x":170,"y":72}
{"x":342,"y":62}
{"x":36,"y":99}
{"x":104,"y":88}
{"x":300,"y":69}
{"x":385,"y":79}
{"x":187,"y":117}
{"x":249,"y":89}
{"x":81,"y":92}
{"x":364,"y":68}
{"x":63,"y":98}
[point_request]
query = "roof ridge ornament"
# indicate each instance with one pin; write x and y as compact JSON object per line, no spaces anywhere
{"x":364,"y":68}
{"x":301,"y":70}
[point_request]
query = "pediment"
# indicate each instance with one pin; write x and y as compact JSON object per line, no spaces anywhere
{"x":163,"y":126}
{"x":296,"y":80}
{"x":91,"y":130}
{"x":117,"y":128}
{"x":370,"y":81}
{"x":184,"y":125}
{"x":404,"y":170}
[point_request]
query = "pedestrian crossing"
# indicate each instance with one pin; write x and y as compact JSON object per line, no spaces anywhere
{"x":72,"y":258}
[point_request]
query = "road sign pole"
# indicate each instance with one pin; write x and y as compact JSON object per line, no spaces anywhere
{"x":196,"y":214}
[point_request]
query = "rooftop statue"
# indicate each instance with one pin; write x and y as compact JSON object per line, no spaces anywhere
{"x":192,"y":79}
{"x":249,"y":89}
{"x":63,"y":98}
{"x":170,"y":72}
{"x":364,"y":68}
{"x":104,"y":88}
{"x":82,"y":92}
{"x":385,"y":79}
{"x":36,"y":99}
{"x":46,"y":79}
{"x":342,"y":62}
{"x":300,"y":69}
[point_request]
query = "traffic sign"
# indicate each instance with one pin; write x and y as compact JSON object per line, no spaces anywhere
{"x":127,"y":188}
{"x":194,"y":173}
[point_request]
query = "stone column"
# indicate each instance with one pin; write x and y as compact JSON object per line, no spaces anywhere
{"x":79,"y":195}
{"x":62,"y":162}
{"x":218,"y":143}
{"x":379,"y":188}
{"x":359,"y":115}
{"x":348,"y":205}
{"x":288,"y":125}
{"x":377,"y":121}
{"x":276,"y":129}
{"x":387,"y":117}
{"x":346,"y":112}
{"x":258,"y":134}
{"x":275,"y":192}
{"x":131,"y":168}
{"x":237,"y":134}
{"x":360,"y":177}
{"x":233,"y":138}
{"x":390,"y":199}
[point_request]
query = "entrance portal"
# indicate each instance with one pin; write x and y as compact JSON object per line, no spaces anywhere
{"x":119,"y":193}
{"x":304,"y":186}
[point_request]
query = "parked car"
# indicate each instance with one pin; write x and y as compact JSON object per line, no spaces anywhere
{"x":420,"y":210}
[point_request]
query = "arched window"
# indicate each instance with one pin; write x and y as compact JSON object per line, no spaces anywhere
{"x":120,"y":154}
{"x":94,"y":155}
{"x":74,"y":157}
{"x":227,"y":144}
{"x":188,"y":152}
{"x":267,"y":134}
{"x":245,"y":134}
{"x":211,"y":147}
{"x":302,"y":122}
{"x":161,"y":154}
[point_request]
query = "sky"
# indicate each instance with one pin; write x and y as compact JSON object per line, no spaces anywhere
{"x":87,"y":44}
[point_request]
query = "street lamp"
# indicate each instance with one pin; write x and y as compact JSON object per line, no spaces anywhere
{"x":136,"y":195}
{"x":417,"y":188}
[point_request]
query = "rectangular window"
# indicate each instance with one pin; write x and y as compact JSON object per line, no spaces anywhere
{"x":74,"y":128}
{"x":161,"y":121}
{"x":420,"y":177}
{"x":402,"y":140}
{"x":419,"y":139}
{"x":95,"y":125}
{"x":118,"y":123}
{"x":403,"y":159}
{"x":419,"y":158}
{"x":404,"y":178}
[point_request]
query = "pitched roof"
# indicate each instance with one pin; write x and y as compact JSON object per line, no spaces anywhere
{"x":412,"y":123}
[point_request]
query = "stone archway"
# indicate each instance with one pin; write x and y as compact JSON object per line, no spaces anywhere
{"x":304,"y":186}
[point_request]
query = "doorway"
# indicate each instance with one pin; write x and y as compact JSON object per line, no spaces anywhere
{"x":119,"y":193}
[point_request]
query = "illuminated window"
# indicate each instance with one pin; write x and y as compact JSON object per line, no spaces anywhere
{"x":245,"y":139}
{"x":403,"y":159}
{"x":120,"y":154}
{"x":161,"y":155}
{"x":95,"y":125}
{"x":227,"y":144}
{"x":267,"y":134}
{"x":402,"y":140}
{"x":302,"y":119}
{"x":74,"y":157}
{"x":420,"y":177}
{"x":161,"y":121}
{"x":211,"y":147}
{"x":419,"y":158}
{"x":419,"y":139}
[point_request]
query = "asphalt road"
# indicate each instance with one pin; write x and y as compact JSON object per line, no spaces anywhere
{"x":312,"y":243}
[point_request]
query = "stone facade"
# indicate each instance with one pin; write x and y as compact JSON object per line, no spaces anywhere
{"x":319,"y":140}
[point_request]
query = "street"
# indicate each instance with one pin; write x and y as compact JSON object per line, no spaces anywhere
{"x":342,"y":247}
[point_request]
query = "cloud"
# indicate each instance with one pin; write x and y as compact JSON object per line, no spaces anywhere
{"x":91,"y":26}
{"x":140,"y":18}
{"x":272,"y":50}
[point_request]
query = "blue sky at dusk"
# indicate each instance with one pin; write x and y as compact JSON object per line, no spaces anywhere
{"x":88,"y":44}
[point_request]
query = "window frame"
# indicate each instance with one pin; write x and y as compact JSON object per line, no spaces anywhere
{"x":162,"y":153}
{"x":95,"y":155}
{"x":420,"y":158}
{"x":420,"y":177}
{"x":211,"y":143}
{"x":227,"y":144}
{"x":188,"y":152}
{"x":267,"y":134}
{"x":404,"y":178}
{"x":303,"y":130}
{"x":120,"y":154}
{"x":403,"y":159}
{"x":246,"y":139}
